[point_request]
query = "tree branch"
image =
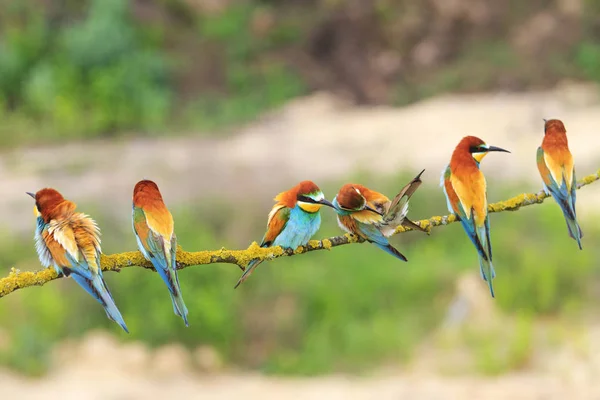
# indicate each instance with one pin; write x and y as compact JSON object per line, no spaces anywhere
{"x":115,"y":262}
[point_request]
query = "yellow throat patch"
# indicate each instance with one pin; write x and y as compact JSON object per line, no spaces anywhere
{"x":479,"y":156}
{"x":309,"y":208}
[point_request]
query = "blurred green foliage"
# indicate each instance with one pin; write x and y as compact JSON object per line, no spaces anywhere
{"x":88,"y":78}
{"x":253,"y":86}
{"x":94,"y":68}
{"x":106,"y":74}
{"x":349,"y":309}
{"x":588,"y":58}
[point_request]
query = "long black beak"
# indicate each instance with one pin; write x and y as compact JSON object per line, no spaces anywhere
{"x":31,"y":194}
{"x":494,"y":148}
{"x":326,"y":202}
{"x":373,"y":210}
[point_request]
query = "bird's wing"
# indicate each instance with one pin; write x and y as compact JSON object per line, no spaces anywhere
{"x":561,"y":189}
{"x":399,"y":205}
{"x":543,"y":168}
{"x":74,"y":244}
{"x":367,"y":217}
{"x":61,"y":233}
{"x":87,"y":237}
{"x":153,"y":242}
{"x":454,"y":203}
{"x":57,"y":251}
{"x":278,"y":219}
{"x":406,"y":192}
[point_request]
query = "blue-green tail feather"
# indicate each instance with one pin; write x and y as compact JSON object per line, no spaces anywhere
{"x":487,"y":273}
{"x":251,"y":266}
{"x":95,"y":286}
{"x":388,"y":248}
{"x":574,"y":229}
{"x":170,"y":278}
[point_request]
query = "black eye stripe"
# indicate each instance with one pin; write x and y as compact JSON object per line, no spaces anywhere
{"x":305,"y":199}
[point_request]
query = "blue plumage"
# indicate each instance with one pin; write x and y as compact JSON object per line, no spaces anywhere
{"x":298,"y":228}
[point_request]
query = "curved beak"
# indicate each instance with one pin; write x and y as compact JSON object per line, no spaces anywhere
{"x":326,"y":202}
{"x":494,"y":148}
{"x":31,"y":194}
{"x":373,"y":210}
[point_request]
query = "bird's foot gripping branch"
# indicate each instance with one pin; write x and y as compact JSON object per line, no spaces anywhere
{"x":115,"y":262}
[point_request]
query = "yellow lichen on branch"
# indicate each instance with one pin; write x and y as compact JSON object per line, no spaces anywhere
{"x":115,"y":262}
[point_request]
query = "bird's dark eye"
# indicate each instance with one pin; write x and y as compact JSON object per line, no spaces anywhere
{"x":476,"y":149}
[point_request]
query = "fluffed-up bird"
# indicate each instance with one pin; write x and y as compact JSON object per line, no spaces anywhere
{"x":154,"y":230}
{"x":293,"y":220}
{"x":466,"y":195}
{"x":372,"y":216}
{"x":555,"y":162}
{"x":70,"y":242}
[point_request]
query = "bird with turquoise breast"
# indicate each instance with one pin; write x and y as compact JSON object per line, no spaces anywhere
{"x":464,"y":186}
{"x":293,"y":220}
{"x":69,"y":241}
{"x":556,"y":166}
{"x":154,"y":231}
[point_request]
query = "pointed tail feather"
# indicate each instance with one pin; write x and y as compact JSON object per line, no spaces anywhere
{"x":388,"y":248}
{"x":179,"y":307}
{"x":566,"y":201}
{"x":251,"y":266}
{"x":487,"y":273}
{"x":171,"y":279}
{"x":98,"y":289}
{"x":177,"y":298}
{"x":574,"y":229}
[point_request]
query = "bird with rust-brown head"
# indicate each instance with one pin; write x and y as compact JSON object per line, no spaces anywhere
{"x":70,"y":242}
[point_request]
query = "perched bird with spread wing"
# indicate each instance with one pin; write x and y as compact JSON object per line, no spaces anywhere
{"x":155,"y":233}
{"x":70,"y":242}
{"x":372,"y":216}
{"x":555,"y":163}
{"x":293,"y":220}
{"x":466,"y":195}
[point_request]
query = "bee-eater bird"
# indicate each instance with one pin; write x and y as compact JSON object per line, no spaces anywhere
{"x":293,"y":220}
{"x":372,"y":216}
{"x":154,"y":230}
{"x":466,"y":196}
{"x":555,"y":163}
{"x":70,"y":242}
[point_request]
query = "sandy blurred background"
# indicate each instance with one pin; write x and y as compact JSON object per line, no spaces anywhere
{"x":226,"y":103}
